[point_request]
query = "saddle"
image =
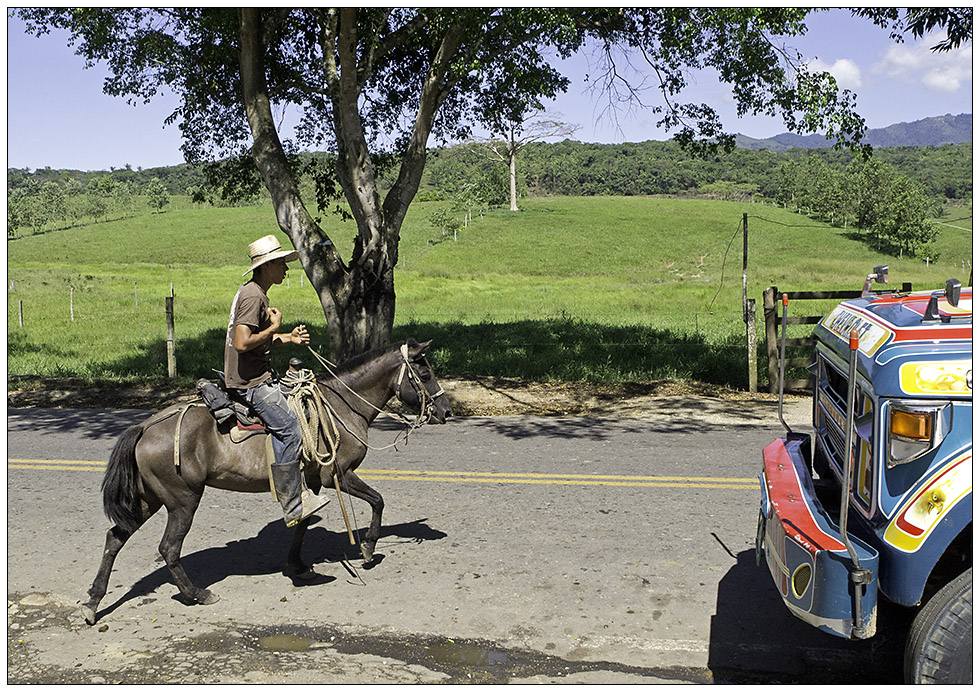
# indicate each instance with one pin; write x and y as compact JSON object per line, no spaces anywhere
{"x":233,"y":414}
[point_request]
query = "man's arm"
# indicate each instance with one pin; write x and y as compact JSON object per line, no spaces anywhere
{"x":298,"y":336}
{"x":245,"y":339}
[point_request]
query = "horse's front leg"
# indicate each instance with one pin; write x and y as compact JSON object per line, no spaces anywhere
{"x":355,"y":487}
{"x":294,"y":562}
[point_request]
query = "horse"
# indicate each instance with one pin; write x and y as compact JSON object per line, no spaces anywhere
{"x":142,"y":476}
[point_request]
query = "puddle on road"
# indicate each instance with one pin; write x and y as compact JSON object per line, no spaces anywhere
{"x":464,"y":661}
{"x":454,"y":653}
{"x":285,"y":642}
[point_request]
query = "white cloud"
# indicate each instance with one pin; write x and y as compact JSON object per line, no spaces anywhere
{"x":937,"y":71}
{"x":846,"y":72}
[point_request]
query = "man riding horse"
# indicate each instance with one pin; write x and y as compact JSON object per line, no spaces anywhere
{"x":253,"y":329}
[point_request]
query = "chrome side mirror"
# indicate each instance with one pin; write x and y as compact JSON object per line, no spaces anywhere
{"x":879,"y":275}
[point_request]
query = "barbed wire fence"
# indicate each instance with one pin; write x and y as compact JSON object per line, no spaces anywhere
{"x":583,"y":344}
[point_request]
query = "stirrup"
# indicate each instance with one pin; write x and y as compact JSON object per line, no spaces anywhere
{"x":312,"y":503}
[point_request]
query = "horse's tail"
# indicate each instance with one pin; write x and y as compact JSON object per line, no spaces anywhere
{"x":120,"y":486}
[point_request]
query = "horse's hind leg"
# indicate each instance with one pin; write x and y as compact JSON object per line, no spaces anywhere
{"x":115,"y":539}
{"x":179,"y":520}
{"x":354,"y":486}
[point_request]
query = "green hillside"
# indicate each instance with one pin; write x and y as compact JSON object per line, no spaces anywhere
{"x":570,"y":288}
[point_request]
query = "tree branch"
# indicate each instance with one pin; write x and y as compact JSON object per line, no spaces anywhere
{"x":267,"y":150}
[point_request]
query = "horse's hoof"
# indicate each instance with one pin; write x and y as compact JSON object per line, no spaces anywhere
{"x":88,"y":614}
{"x":367,"y":552}
{"x":208,"y":598}
{"x":305,"y":574}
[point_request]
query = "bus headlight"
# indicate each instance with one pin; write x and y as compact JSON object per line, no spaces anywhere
{"x":914,"y":430}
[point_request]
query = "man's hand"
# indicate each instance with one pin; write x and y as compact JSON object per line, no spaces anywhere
{"x":275,"y":317}
{"x":300,"y":335}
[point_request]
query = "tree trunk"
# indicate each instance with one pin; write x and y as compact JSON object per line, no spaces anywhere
{"x":357,"y":301}
{"x":513,"y":180}
{"x":512,"y":162}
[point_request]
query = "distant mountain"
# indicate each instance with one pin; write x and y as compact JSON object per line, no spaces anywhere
{"x":930,"y":132}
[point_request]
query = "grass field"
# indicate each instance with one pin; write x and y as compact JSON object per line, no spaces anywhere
{"x":601,"y":289}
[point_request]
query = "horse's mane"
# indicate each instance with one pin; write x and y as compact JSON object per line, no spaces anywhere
{"x":355,"y":362}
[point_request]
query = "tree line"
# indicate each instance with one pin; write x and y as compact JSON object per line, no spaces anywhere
{"x":891,"y":208}
{"x":39,"y":205}
{"x":652,"y":168}
{"x":898,"y":182}
{"x":890,"y":196}
{"x":176,"y":179}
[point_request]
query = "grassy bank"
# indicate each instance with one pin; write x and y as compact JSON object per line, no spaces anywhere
{"x":599,"y":289}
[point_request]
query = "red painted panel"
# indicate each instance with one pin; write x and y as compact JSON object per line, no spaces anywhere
{"x":790,"y":504}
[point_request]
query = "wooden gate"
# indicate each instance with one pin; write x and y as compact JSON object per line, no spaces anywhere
{"x":772,"y":308}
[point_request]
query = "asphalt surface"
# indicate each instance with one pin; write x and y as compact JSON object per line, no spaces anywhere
{"x":514,"y":549}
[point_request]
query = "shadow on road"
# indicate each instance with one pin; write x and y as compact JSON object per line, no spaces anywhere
{"x":583,"y":428}
{"x":87,"y":423}
{"x":753,"y":631}
{"x":265,"y":554}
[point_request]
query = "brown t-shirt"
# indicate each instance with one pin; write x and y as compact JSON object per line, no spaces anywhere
{"x":251,"y":308}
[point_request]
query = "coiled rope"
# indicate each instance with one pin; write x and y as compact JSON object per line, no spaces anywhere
{"x":318,"y":419}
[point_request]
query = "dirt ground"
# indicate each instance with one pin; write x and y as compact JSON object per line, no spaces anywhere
{"x":483,"y":396}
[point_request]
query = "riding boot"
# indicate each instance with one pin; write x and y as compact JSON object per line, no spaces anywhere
{"x":298,"y":502}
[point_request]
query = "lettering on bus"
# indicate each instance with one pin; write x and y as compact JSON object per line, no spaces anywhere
{"x":871,"y":336}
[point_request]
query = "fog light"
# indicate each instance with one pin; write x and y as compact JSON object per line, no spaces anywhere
{"x":801,"y":580}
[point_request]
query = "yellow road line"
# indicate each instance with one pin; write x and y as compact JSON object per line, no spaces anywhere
{"x":559,"y":481}
{"x":469,"y":476}
{"x":55,"y":464}
{"x":572,"y":476}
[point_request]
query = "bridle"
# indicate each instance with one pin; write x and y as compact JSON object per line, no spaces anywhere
{"x":427,"y":400}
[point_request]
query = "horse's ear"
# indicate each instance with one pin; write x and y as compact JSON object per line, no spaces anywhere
{"x":416,"y":350}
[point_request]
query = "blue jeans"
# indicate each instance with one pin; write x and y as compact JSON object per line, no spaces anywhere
{"x":270,"y":405}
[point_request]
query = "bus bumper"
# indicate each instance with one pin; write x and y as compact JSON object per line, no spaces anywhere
{"x":807,"y":558}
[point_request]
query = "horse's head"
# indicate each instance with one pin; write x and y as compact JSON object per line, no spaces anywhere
{"x":417,"y":386}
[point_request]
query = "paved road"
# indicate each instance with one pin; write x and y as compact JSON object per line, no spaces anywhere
{"x":514,"y":549}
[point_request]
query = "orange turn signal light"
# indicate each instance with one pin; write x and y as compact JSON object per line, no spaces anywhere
{"x":911,"y":425}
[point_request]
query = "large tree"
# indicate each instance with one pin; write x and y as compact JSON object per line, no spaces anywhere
{"x":373,"y":85}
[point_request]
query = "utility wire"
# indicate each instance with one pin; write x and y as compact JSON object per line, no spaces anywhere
{"x":721,"y":282}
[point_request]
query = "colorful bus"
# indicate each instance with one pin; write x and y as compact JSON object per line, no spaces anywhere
{"x":878,"y":501}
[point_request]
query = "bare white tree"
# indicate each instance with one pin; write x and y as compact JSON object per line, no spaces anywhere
{"x":518,"y":135}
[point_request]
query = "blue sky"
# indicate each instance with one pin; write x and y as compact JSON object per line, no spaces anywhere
{"x":57,"y":115}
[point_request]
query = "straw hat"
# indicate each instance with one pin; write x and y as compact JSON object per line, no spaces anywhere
{"x":267,"y":249}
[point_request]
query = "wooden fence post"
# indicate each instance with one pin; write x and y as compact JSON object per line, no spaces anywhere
{"x":171,"y":351}
{"x":745,"y":268}
{"x":769,"y":311}
{"x":20,"y":310}
{"x":71,"y":303}
{"x":750,"y":338}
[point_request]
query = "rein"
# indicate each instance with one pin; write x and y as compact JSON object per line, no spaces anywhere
{"x":322,"y":421}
